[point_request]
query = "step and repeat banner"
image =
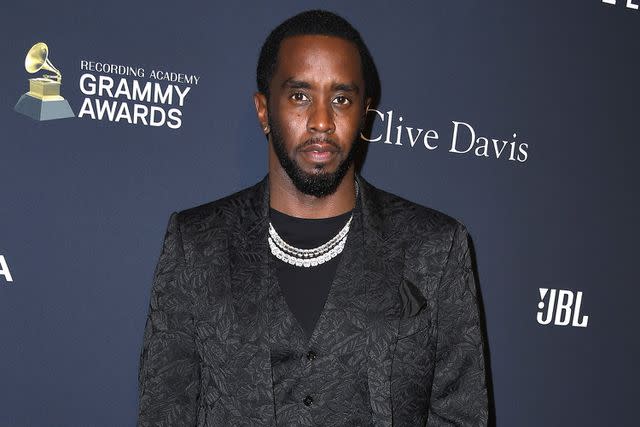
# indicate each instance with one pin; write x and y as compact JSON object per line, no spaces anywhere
{"x":520,"y":119}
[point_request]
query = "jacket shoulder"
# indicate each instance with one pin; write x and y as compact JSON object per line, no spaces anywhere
{"x":412,"y":217}
{"x":220,"y":213}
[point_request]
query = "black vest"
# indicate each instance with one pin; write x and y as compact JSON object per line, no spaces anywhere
{"x":323,"y":381}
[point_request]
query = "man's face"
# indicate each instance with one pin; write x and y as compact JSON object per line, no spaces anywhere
{"x":315,"y":110}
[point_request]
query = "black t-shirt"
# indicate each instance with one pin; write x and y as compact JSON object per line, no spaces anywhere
{"x":306,"y":288}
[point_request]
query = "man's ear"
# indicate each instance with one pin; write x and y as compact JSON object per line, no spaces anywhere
{"x":262,"y":111}
{"x":367,"y":104}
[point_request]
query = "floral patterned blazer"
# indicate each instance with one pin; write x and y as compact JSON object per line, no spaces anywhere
{"x":206,"y":353}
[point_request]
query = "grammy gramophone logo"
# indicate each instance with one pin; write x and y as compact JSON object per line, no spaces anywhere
{"x":43,"y":101}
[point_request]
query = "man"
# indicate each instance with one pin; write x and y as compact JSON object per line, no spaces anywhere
{"x":313,"y":298}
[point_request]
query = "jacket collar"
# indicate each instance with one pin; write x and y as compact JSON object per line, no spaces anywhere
{"x":257,"y":213}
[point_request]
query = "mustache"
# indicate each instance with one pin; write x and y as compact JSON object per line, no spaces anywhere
{"x":318,"y":140}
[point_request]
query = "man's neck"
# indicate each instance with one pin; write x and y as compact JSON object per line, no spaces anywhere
{"x":286,"y":198}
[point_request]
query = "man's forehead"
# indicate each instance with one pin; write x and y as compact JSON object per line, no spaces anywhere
{"x":308,"y":54}
{"x":314,"y":44}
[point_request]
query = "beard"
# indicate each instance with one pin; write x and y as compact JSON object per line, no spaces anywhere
{"x":319,"y":183}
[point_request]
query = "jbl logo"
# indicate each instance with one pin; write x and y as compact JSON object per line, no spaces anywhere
{"x":630,"y":3}
{"x":563,"y":308}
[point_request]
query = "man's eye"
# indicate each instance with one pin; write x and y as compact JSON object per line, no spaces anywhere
{"x":342,"y":100}
{"x":299,"y":96}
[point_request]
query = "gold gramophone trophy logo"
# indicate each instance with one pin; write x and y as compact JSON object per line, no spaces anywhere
{"x":43,"y":101}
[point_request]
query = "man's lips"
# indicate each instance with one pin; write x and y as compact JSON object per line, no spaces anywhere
{"x":319,"y":152}
{"x":320,"y":148}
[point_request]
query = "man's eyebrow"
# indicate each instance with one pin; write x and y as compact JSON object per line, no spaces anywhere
{"x":347,"y":87}
{"x":292,"y":83}
{"x":295,"y":84}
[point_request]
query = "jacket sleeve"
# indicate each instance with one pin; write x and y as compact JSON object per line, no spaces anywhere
{"x":168,"y":378}
{"x":459,"y":394}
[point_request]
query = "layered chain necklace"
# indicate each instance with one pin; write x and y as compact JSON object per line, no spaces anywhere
{"x":309,"y":257}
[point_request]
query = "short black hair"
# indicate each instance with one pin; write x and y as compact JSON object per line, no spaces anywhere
{"x":315,"y":22}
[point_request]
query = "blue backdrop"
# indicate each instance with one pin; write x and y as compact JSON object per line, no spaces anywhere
{"x":84,"y":201}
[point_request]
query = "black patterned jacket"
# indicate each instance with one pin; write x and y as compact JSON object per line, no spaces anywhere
{"x":206,"y":352}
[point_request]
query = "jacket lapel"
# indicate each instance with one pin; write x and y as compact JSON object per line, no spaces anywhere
{"x":344,"y":315}
{"x":384,"y":262}
{"x":249,"y":275}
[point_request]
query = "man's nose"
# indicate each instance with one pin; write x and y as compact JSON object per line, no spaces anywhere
{"x":321,"y":119}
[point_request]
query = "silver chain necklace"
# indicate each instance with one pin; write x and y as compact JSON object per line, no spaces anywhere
{"x":309,"y":257}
